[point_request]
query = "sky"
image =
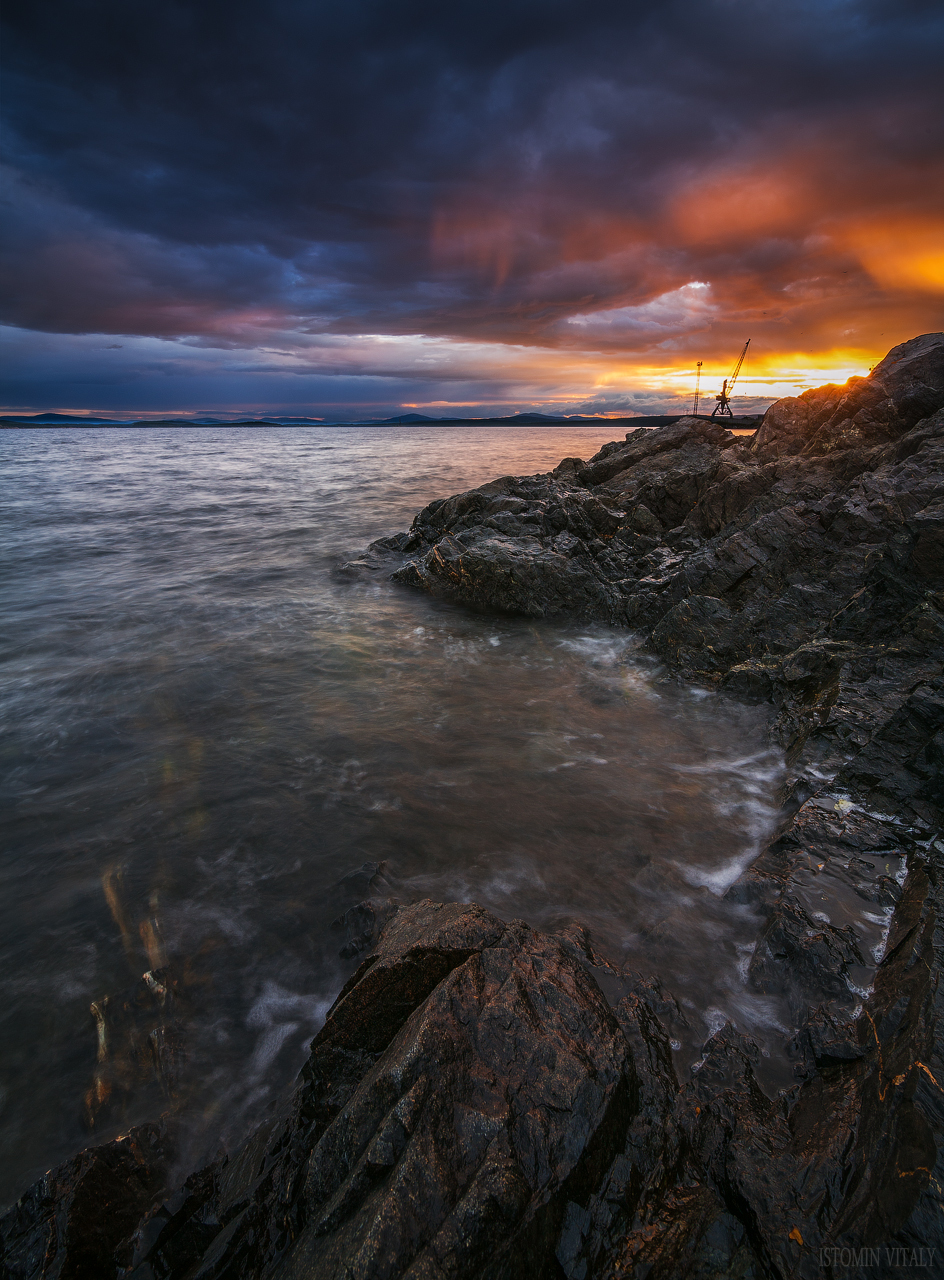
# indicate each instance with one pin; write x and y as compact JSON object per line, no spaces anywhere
{"x":365,"y":207}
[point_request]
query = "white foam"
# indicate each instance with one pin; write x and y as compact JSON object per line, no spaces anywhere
{"x":279,"y":1014}
{"x":885,"y":920}
{"x":268,"y":1046}
{"x":745,"y":952}
{"x":714,"y":1019}
{"x":606,"y":649}
{"x":719,"y":880}
{"x":755,"y":1012}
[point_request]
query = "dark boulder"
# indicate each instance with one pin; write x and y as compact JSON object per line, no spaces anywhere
{"x":476,"y":1107}
{"x":78,"y":1222}
{"x":645,"y":443}
{"x":699,"y":629}
{"x":469,"y":1081}
{"x":515,"y":575}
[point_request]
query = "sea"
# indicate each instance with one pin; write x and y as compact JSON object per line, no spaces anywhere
{"x":213,"y":748}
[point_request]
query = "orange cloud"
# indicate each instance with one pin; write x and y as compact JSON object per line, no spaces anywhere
{"x":538,"y":233}
{"x":901,"y":253}
{"x":736,"y":204}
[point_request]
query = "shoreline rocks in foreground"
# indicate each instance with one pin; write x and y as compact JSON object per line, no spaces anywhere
{"x":488,"y":1101}
{"x":476,"y":1106}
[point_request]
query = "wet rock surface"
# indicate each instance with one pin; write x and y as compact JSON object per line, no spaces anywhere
{"x":476,"y":1106}
{"x":486,"y":1100}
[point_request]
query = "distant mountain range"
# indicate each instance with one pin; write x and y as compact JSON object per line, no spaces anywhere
{"x":405,"y":419}
{"x":534,"y":418}
{"x":64,"y":419}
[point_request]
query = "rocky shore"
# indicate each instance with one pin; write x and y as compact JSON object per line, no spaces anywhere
{"x":488,"y":1101}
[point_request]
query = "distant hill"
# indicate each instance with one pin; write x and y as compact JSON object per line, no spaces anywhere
{"x":546,"y":419}
{"x":526,"y":418}
{"x":535,"y":419}
{"x":60,"y":419}
{"x":512,"y":419}
{"x":407,"y":419}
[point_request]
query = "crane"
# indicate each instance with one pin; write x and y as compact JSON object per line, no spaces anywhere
{"x":723,"y":408}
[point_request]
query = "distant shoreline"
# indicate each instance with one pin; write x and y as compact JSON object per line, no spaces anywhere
{"x":742,"y":421}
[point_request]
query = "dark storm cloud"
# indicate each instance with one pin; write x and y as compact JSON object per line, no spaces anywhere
{"x":497,"y":171}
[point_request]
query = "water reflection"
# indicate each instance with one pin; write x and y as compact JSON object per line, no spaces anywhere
{"x":205,"y":737}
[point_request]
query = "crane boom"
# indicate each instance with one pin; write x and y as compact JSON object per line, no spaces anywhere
{"x":737,"y":367}
{"x":723,"y":408}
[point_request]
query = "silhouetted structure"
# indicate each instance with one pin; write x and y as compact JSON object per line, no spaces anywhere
{"x":723,"y":408}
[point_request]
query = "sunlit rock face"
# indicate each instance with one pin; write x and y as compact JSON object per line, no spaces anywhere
{"x":905,"y":387}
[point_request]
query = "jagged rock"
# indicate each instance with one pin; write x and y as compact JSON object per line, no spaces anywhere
{"x":469,"y":1080}
{"x":515,"y":575}
{"x":475,"y":1107}
{"x":905,"y":387}
{"x":808,"y":959}
{"x":643,"y":444}
{"x":912,"y":375}
{"x":77,"y":1222}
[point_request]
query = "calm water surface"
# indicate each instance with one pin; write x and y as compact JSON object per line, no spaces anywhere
{"x":203,"y":734}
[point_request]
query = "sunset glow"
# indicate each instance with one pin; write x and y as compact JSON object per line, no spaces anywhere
{"x":902,"y":254}
{"x":563,"y":218}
